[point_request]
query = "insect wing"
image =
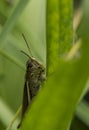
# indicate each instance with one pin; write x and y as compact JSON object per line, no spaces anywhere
{"x":26,"y":98}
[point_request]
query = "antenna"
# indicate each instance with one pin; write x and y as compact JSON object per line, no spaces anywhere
{"x":25,"y":54}
{"x":27,"y":45}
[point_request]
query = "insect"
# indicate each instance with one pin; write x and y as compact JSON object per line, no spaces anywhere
{"x":35,"y":75}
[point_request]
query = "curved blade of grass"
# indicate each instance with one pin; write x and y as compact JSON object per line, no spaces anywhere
{"x":6,"y":115}
{"x":82,"y":112}
{"x":12,"y":51}
{"x":59,"y":30}
{"x":12,"y":20}
{"x":51,"y":110}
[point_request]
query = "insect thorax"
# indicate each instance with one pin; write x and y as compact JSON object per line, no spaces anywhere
{"x":35,"y":74}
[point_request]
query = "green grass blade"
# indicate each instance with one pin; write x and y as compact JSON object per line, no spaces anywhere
{"x":12,"y":20}
{"x":51,"y":110}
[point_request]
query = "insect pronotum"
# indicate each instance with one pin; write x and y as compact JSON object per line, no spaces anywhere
{"x":35,"y":75}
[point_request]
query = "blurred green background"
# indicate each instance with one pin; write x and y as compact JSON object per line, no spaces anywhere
{"x":29,"y":20}
{"x":28,"y":17}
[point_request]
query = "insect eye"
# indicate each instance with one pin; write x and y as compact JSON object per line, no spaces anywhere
{"x":42,"y":70}
{"x":30,"y":65}
{"x":39,"y":67}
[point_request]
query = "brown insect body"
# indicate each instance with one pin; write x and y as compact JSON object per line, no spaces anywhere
{"x":33,"y":79}
{"x":35,"y":75}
